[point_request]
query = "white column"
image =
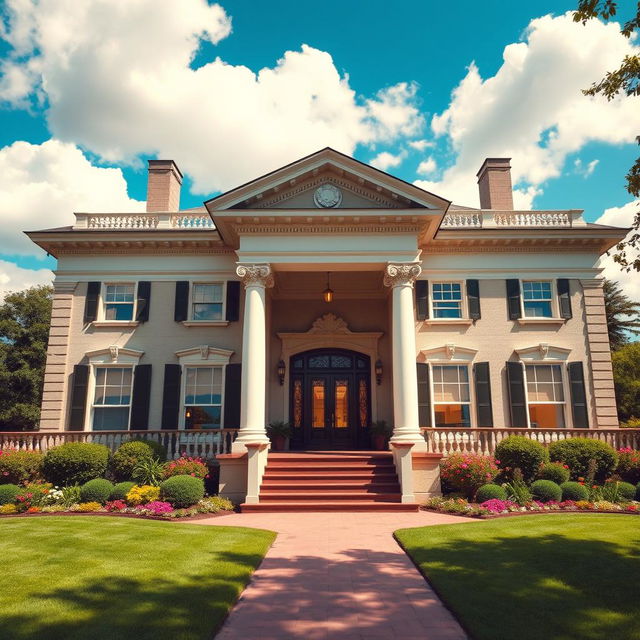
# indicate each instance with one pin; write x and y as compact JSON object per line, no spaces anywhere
{"x":406,"y":427}
{"x":256,"y":279}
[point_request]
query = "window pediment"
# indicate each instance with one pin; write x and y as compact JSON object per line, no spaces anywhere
{"x":543,"y":351}
{"x":449,"y":352}
{"x":114,"y":355}
{"x":204,"y":353}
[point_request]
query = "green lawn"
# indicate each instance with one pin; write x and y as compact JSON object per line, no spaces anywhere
{"x":84,"y":578}
{"x":547,"y":577}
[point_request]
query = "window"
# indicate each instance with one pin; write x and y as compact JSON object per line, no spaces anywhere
{"x":545,"y":392}
{"x":536,"y":299}
{"x":206,"y":302}
{"x":451,"y":396}
{"x":119,"y":300}
{"x":446,"y":299}
{"x":203,"y":398}
{"x":112,"y":398}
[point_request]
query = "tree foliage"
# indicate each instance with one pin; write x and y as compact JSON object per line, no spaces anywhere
{"x":626,"y":374}
{"x":623,"y":315}
{"x":625,"y":80}
{"x":24,"y":330}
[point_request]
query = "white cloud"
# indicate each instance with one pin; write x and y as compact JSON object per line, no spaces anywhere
{"x":121,"y":90}
{"x":532,"y":110}
{"x":385,"y":160}
{"x":426,"y":167}
{"x":622,"y":217}
{"x":585,"y":172}
{"x":42,"y":185}
{"x":15,"y":278}
{"x":421,"y":145}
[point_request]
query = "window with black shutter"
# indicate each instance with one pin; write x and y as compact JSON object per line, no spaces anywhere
{"x":181,"y":308}
{"x":513,"y":299}
{"x":424,"y":394}
{"x":233,"y":301}
{"x":79,"y":386}
{"x":144,"y":301}
{"x":579,"y":407}
{"x":517,"y":397}
{"x":473,"y":299}
{"x":171,"y":396}
{"x":482,"y":381}
{"x":564,"y":298}
{"x":422,"y":299}
{"x":232,"y":384}
{"x":91,"y":302}
{"x":140,"y":397}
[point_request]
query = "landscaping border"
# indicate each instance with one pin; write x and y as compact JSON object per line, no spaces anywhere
{"x":550,"y":512}
{"x":139,"y":516}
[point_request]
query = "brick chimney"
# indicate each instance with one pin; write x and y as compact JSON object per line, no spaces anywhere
{"x":494,"y":184}
{"x":163,"y":186}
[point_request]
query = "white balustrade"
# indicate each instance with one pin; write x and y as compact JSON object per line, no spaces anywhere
{"x":462,"y":220}
{"x":142,"y":221}
{"x":482,"y":219}
{"x":192,"y":221}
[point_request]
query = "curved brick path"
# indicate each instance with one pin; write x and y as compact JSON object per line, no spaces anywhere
{"x":338,"y":576}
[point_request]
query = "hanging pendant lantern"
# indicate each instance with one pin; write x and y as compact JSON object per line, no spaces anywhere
{"x":327,"y":294}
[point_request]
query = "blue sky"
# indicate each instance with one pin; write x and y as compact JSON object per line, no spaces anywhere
{"x":57,"y":85}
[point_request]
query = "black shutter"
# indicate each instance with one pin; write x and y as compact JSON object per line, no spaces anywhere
{"x":144,"y":300}
{"x":181,"y":310}
{"x":422,"y":299}
{"x":78,"y":397}
{"x":91,"y":302}
{"x":513,"y":299}
{"x":232,"y":385}
{"x":484,"y":410}
{"x":578,"y":396}
{"x":233,"y":301}
{"x":473,"y":299}
{"x":517,"y":400}
{"x":171,"y":396}
{"x":424,"y":394}
{"x":140,"y":397}
{"x":564,"y":298}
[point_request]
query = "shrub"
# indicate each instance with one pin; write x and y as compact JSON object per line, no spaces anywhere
{"x":629,"y":465}
{"x":490,"y":492}
{"x":149,"y":471}
{"x":131,"y":453}
{"x":576,"y":452}
{"x":8,"y":493}
{"x":624,"y":491}
{"x":18,"y":467}
{"x":182,"y":491}
{"x":75,"y":463}
{"x":554,"y":471}
{"x":37,"y":493}
{"x":184,"y":466}
{"x":574,"y":491}
{"x":466,"y":473}
{"x":97,"y":490}
{"x":119,"y":492}
{"x":518,"y":452}
{"x":142,"y":494}
{"x":214,"y":504}
{"x":546,"y":491}
{"x":517,"y":490}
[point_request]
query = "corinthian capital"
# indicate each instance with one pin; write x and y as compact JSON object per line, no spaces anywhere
{"x":255,"y":275}
{"x":397,"y":275}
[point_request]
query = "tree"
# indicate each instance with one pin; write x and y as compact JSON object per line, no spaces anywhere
{"x":626,"y":374}
{"x":24,"y":330}
{"x":624,"y":80}
{"x":623,"y":315}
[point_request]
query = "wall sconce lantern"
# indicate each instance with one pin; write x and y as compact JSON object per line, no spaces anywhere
{"x":378,"y":369}
{"x":327,"y":294}
{"x":281,"y":371}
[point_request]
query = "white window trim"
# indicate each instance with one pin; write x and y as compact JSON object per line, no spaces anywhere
{"x":190,"y":322}
{"x":113,"y":356}
{"x":464,"y":308}
{"x":555,"y":311}
{"x":472,"y":395}
{"x":102,"y":306}
{"x":202,"y":356}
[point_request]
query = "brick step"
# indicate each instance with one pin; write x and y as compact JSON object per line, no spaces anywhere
{"x":311,"y":506}
{"x":326,"y":496}
{"x":319,"y":485}
{"x":351,"y":475}
{"x":319,"y":467}
{"x":330,"y":457}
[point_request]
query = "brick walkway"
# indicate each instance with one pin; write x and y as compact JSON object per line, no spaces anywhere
{"x":338,"y":576}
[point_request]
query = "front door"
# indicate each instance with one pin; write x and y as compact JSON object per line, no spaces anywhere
{"x":330,"y":399}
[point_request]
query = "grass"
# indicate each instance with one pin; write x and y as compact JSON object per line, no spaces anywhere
{"x":557,"y":577}
{"x":75,"y":578}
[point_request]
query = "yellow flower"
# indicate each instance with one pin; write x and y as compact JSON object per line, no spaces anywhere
{"x":89,"y":506}
{"x":7,"y":509}
{"x":142,"y":494}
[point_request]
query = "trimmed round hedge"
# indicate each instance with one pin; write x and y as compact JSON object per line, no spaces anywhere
{"x":130,"y":453}
{"x":119,"y":492}
{"x":75,"y":463}
{"x":8,"y":493}
{"x":626,"y":490}
{"x":490,"y":492}
{"x":518,"y":452}
{"x":574,"y":491}
{"x":17,"y":467}
{"x":98,"y":490}
{"x":182,"y":491}
{"x":546,"y":491}
{"x":554,"y":471}
{"x":576,"y":453}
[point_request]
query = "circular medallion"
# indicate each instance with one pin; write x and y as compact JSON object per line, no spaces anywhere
{"x":327,"y":196}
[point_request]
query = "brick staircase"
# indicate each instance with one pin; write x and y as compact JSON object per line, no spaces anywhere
{"x":330,"y":481}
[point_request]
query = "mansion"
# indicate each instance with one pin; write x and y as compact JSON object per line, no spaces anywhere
{"x":329,"y":295}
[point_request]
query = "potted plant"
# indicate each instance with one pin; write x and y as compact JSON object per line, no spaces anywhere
{"x":380,"y":432}
{"x":278,"y":433}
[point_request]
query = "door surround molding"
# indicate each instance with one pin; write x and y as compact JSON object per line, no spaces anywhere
{"x":329,"y":332}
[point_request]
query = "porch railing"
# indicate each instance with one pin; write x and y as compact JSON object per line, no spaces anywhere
{"x":484,"y":441}
{"x":205,"y":444}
